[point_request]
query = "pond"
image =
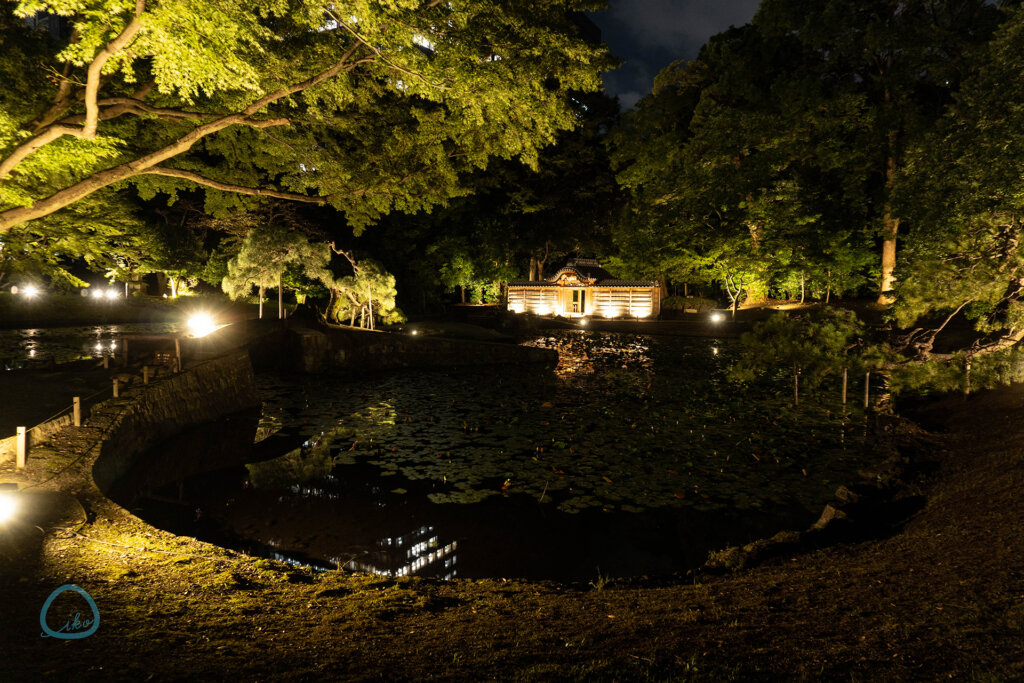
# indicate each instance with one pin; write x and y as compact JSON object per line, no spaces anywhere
{"x":634,"y":456}
{"x":30,"y":347}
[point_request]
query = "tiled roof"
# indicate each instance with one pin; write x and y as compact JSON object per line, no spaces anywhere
{"x":627,"y":283}
{"x":588,"y":270}
{"x":585,"y":269}
{"x":602,"y":283}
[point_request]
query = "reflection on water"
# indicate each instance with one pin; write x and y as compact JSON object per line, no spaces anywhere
{"x":417,"y":553}
{"x":582,"y":352}
{"x":41,"y":346}
{"x":635,"y":457}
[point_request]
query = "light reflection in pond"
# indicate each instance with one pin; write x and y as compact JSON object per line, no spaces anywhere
{"x":32,"y":347}
{"x":636,"y":456}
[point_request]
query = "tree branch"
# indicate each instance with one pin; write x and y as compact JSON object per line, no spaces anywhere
{"x":38,"y":142}
{"x":102,"y":179}
{"x":49,"y":132}
{"x":230,"y":187}
{"x":92,"y":83}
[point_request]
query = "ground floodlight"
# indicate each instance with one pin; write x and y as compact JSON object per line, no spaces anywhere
{"x":8,"y":503}
{"x":201,"y":324}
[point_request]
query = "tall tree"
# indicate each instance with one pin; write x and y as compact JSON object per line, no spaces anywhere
{"x":900,"y":61}
{"x":266,"y":253}
{"x":369,"y":108}
{"x":961,"y":188}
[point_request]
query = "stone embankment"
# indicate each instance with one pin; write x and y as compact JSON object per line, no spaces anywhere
{"x":304,"y":349}
{"x":212,"y":390}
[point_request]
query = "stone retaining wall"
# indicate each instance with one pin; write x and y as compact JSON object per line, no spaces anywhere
{"x":304,"y":349}
{"x":41,"y":433}
{"x":145,"y":415}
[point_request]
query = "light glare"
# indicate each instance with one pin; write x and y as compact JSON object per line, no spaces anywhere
{"x":8,"y":507}
{"x":201,"y":324}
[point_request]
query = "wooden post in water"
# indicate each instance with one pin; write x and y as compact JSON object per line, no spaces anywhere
{"x":145,"y":374}
{"x":124,"y":358}
{"x":845,"y":371}
{"x":106,"y":362}
{"x":796,"y":386}
{"x":76,"y":410}
{"x":177,"y":355}
{"x":867,"y":389}
{"x":22,"y":448}
{"x":117,"y":388}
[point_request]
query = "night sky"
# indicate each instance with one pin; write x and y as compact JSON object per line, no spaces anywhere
{"x":648,"y":35}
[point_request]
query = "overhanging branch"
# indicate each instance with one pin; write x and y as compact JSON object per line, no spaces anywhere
{"x":102,"y":179}
{"x":230,"y":187}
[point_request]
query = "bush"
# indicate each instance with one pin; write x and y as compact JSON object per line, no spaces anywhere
{"x":682,"y":303}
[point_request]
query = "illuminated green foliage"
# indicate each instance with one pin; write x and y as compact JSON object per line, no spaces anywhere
{"x":369,"y":107}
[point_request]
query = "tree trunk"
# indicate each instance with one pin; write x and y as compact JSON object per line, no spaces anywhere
{"x":890,"y":228}
{"x":462,"y":291}
{"x":174,"y":286}
{"x":369,"y":298}
{"x":533,"y":269}
{"x":262,"y":289}
{"x":803,"y":287}
{"x":280,"y":297}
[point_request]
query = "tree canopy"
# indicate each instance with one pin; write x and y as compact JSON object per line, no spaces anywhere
{"x":368,"y":107}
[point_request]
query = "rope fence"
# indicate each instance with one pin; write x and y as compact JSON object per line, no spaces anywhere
{"x":45,"y":429}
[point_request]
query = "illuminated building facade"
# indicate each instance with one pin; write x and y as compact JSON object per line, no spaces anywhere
{"x":419,"y":553}
{"x":584,"y":288}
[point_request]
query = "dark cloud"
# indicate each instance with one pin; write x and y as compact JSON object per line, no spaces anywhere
{"x":650,"y":34}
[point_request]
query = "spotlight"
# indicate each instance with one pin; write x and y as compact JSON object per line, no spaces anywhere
{"x":30,"y":291}
{"x":8,"y":503}
{"x":201,"y":324}
{"x":111,"y":294}
{"x":717,"y":317}
{"x":97,"y":294}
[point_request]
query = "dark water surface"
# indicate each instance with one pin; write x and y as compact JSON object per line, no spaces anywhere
{"x":29,"y":347}
{"x":634,"y":457}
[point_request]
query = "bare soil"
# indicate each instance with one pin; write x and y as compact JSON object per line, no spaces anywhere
{"x":941,"y":599}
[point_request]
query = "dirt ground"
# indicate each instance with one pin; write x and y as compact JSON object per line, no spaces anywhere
{"x":941,"y":599}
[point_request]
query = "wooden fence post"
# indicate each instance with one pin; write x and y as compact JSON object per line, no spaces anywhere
{"x":76,"y":410}
{"x":796,"y":386}
{"x":22,"y":449}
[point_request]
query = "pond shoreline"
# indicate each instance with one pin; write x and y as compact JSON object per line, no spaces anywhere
{"x":939,"y":597}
